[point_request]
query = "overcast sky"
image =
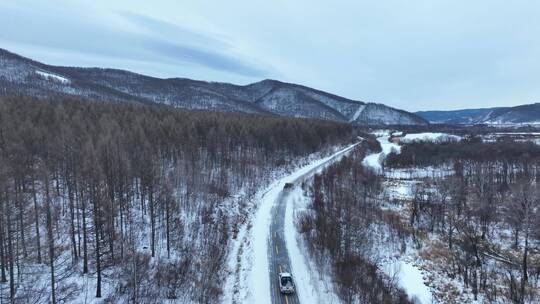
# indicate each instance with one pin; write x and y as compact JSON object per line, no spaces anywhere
{"x":414,"y":55}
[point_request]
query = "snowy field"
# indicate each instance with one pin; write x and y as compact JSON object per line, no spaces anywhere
{"x":533,"y":137}
{"x":420,"y":272}
{"x":429,"y":137}
{"x":418,"y":173}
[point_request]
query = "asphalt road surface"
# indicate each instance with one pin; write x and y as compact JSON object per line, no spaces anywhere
{"x":277,"y":250}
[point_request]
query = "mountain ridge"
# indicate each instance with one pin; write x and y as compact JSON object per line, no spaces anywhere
{"x":521,"y":114}
{"x":23,"y":76}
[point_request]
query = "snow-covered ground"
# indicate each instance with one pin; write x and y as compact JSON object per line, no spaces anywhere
{"x":410,"y":278}
{"x":248,"y":265}
{"x":429,"y":137}
{"x":421,"y":172}
{"x":407,"y":275}
{"x":375,"y":160}
{"x":533,"y":137}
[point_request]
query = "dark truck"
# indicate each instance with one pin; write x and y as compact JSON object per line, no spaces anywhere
{"x":288,"y":186}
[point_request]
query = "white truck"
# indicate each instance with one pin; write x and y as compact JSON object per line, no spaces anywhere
{"x":286,"y":284}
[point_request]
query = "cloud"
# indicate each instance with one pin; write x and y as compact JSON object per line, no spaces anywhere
{"x":199,"y":50}
{"x":155,"y":40}
{"x":183,"y":53}
{"x":170,"y":30}
{"x":417,"y":56}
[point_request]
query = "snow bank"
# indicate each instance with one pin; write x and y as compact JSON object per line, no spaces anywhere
{"x":429,"y":137}
{"x":258,"y":280}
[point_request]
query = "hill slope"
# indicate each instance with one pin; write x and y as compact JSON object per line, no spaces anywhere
{"x":523,"y":114}
{"x":23,"y":76}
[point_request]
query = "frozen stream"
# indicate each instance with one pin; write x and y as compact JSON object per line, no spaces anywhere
{"x":409,"y":277}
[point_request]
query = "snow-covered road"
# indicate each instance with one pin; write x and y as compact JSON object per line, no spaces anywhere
{"x":271,"y":242}
{"x":254,"y":262}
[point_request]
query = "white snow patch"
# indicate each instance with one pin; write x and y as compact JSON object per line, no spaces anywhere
{"x":375,"y":160}
{"x":429,"y":137}
{"x":357,"y":113}
{"x":420,"y":172}
{"x":55,"y":77}
{"x":411,"y":279}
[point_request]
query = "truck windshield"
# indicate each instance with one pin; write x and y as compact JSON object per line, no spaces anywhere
{"x":286,"y":281}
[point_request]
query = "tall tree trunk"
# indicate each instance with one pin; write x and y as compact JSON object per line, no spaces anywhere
{"x":3,"y":278}
{"x":152,"y":219}
{"x":36,"y":221}
{"x":134,"y":256}
{"x":168,"y":231}
{"x":111,"y":216}
{"x":122,"y":208}
{"x":85,"y":234}
{"x":50,"y":238}
{"x":21,"y":217}
{"x":97,"y":224}
{"x":11,"y":260}
{"x":72,"y":221}
{"x":524,"y":274}
{"x":78,"y":218}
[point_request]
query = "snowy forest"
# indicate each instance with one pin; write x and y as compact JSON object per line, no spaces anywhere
{"x":480,"y":224}
{"x":339,"y":229}
{"x":132,"y":203}
{"x":463,"y":213}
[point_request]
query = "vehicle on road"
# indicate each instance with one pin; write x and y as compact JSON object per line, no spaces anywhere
{"x":288,"y":186}
{"x":286,"y":284}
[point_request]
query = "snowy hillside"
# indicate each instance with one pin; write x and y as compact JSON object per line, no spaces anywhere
{"x":22,"y":76}
{"x":518,"y":115}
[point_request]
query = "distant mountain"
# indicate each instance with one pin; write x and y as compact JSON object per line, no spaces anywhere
{"x":524,"y":114}
{"x":23,"y":76}
{"x":470,"y":116}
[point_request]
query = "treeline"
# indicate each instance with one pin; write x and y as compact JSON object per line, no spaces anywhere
{"x":339,"y":230}
{"x":133,"y":197}
{"x":430,"y":154}
{"x":484,"y":218}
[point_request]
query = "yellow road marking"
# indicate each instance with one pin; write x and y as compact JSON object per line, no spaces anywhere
{"x":277,"y":252}
{"x":286,"y":297}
